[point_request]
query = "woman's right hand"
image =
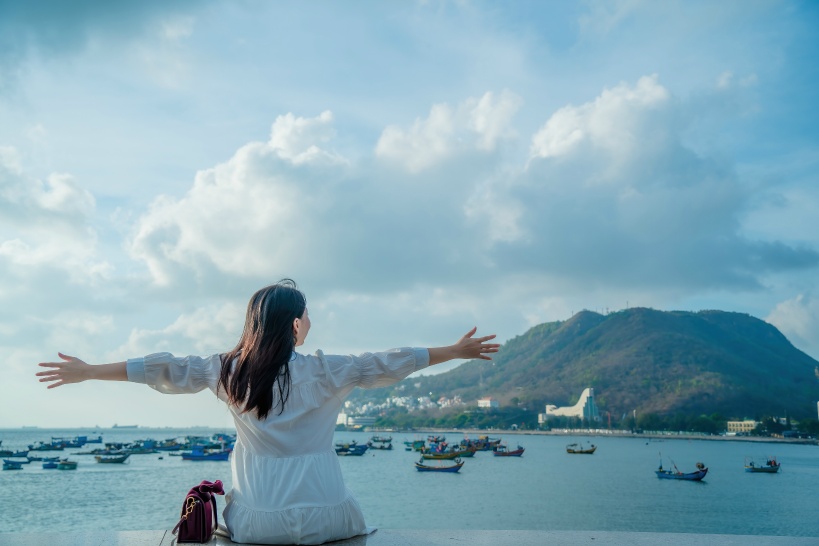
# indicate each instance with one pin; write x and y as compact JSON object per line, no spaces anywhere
{"x":70,"y":370}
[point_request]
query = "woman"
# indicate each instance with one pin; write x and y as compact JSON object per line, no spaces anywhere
{"x":287,"y":482}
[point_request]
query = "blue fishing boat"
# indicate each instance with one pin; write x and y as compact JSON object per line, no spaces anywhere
{"x":47,"y":465}
{"x":351,"y":449}
{"x":12,"y":465}
{"x":198,"y":453}
{"x":421,"y":467}
{"x":676,"y":474}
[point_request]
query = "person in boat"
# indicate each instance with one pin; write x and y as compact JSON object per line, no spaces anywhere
{"x":287,"y":481}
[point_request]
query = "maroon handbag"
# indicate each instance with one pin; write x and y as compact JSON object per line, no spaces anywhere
{"x":199,"y":519}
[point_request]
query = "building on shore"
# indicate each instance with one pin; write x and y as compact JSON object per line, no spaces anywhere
{"x":741,"y":427}
{"x":584,"y":409}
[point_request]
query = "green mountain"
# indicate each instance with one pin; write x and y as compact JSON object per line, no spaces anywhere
{"x":645,"y":360}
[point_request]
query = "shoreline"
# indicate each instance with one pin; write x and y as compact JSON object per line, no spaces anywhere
{"x":604,"y":433}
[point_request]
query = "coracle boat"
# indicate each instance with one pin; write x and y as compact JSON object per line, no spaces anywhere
{"x":504,"y":451}
{"x":770,"y":466}
{"x":576,"y":449}
{"x":112,"y":458}
{"x":675,"y":474}
{"x":421,"y":467}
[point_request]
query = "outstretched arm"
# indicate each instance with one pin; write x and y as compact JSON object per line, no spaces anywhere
{"x":74,"y":370}
{"x":467,"y":347}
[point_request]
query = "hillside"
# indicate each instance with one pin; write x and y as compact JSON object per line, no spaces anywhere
{"x":644,"y":360}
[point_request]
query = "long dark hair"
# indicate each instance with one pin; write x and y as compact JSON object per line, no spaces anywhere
{"x":262,"y":356}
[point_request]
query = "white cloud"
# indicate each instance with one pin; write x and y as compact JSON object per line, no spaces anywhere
{"x":297,"y":139}
{"x":206,"y":330}
{"x":46,"y":224}
{"x":177,"y":28}
{"x":798,"y":320}
{"x":477,"y":123}
{"x":249,"y":216}
{"x":614,"y":122}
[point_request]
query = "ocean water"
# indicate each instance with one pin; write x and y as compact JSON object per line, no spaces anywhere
{"x":547,"y":489}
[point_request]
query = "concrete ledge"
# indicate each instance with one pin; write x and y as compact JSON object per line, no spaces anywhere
{"x":409,"y":537}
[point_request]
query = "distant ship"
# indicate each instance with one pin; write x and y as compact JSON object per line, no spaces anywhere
{"x":124,"y":426}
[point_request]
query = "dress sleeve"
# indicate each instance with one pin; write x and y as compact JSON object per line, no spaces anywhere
{"x":175,"y":375}
{"x":373,"y":370}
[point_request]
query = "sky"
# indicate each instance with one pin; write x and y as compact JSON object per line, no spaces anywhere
{"x":417,"y":167}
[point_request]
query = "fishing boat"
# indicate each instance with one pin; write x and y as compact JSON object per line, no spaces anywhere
{"x":12,"y":465}
{"x":198,"y":453}
{"x":483,"y":443}
{"x":65,"y":464}
{"x":112,"y":458}
{"x":676,"y":474}
{"x":576,"y":449}
{"x":503,"y":451}
{"x":48,"y":465}
{"x":351,"y":449}
{"x":42,"y":446}
{"x":414,"y":445}
{"x":447,"y":453}
{"x":380,"y":442}
{"x":421,"y":467}
{"x":770,"y":466}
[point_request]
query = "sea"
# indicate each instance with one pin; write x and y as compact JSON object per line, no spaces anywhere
{"x":615,"y":489}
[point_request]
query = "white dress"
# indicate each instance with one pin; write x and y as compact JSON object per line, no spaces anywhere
{"x":287,"y":482}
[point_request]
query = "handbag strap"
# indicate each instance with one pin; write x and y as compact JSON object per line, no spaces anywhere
{"x":190,"y":503}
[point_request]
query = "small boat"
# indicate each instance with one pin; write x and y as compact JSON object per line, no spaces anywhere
{"x":381,"y":439}
{"x":198,"y":453}
{"x":770,"y":466}
{"x":19,"y":454}
{"x":47,"y":465}
{"x":43,"y":459}
{"x":414,"y":445}
{"x":12,"y":465}
{"x":351,"y":449}
{"x":421,"y":467}
{"x":579,"y":449}
{"x":675,"y":474}
{"x":20,"y":461}
{"x":112,"y":458}
{"x":503,"y":451}
{"x":65,"y":464}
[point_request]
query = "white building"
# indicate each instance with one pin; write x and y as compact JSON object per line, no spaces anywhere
{"x":488,"y":402}
{"x":585,"y":409}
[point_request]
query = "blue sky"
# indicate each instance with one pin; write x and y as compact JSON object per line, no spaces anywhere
{"x":417,"y":167}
